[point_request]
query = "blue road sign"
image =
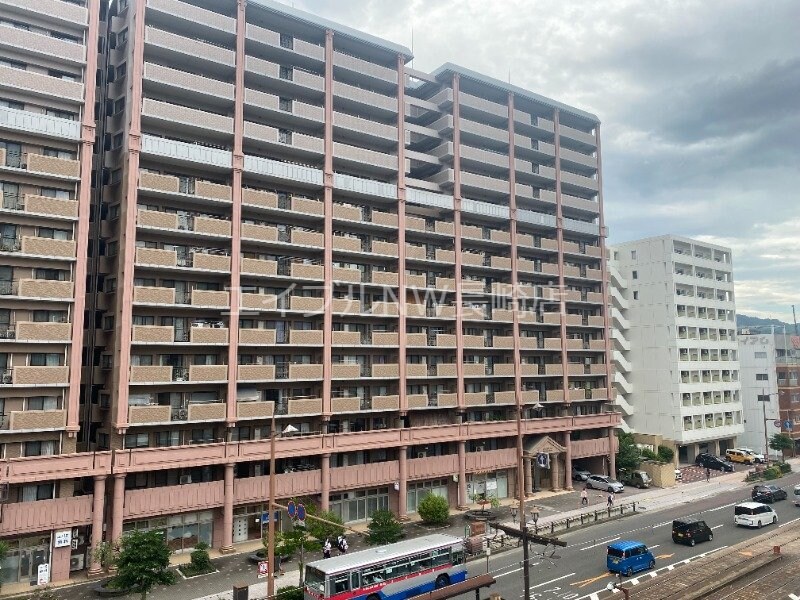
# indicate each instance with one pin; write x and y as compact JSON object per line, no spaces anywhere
{"x":291,"y":509}
{"x":787,"y":425}
{"x":301,"y":512}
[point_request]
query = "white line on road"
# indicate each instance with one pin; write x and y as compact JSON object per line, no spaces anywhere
{"x":788,"y":523}
{"x":656,"y":546}
{"x":721,"y":507}
{"x":508,"y":573}
{"x":662,"y":524}
{"x":614,"y":539}
{"x":533,"y":587}
{"x":718,"y":526}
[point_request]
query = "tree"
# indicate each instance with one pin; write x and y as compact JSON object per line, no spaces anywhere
{"x":628,"y":456}
{"x":325,"y":531}
{"x":289,"y":543}
{"x":434,"y":510}
{"x":4,"y":548}
{"x":780,"y":442}
{"x":384,"y":528}
{"x":143,"y":562}
{"x":289,"y":592}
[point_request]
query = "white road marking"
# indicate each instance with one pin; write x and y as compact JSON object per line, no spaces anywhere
{"x":662,"y":524}
{"x":721,"y":507}
{"x":718,"y":526}
{"x":656,"y":546}
{"x":508,"y":573}
{"x":601,"y":543}
{"x":788,"y":523}
{"x":794,"y":597}
{"x":533,"y":587}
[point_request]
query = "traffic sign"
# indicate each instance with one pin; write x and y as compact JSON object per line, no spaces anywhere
{"x":301,"y":512}
{"x":291,"y":509}
{"x":777,"y":423}
{"x":263,"y":569}
{"x":543,"y":460}
{"x":787,"y":425}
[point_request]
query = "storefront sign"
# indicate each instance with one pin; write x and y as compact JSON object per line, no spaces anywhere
{"x":43,"y":574}
{"x":62,"y":538}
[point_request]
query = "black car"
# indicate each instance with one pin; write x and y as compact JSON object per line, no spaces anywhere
{"x":768,"y":493}
{"x":710,"y":461}
{"x":691,"y":531}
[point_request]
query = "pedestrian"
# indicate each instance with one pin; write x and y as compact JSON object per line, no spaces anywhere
{"x":326,"y":548}
{"x":708,"y":475}
{"x":610,"y":502}
{"x":584,"y":497}
{"x":341,"y":543}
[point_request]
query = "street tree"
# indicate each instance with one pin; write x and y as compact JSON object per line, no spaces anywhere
{"x":629,"y":455}
{"x":781,"y":442}
{"x":143,"y":562}
{"x":384,"y":528}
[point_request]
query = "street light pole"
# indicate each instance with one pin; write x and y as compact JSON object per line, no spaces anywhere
{"x":523,"y":526}
{"x":271,"y":522}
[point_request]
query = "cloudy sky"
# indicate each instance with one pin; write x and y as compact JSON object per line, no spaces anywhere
{"x":699,"y":100}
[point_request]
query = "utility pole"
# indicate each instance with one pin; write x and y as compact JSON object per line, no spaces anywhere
{"x":526,"y":538}
{"x":271,"y":522}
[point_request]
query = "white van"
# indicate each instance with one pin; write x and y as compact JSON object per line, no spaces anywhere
{"x":754,"y":514}
{"x":797,"y":495}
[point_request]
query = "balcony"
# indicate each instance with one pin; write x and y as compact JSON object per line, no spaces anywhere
{"x":43,"y":247}
{"x":166,"y":76}
{"x":276,"y":138}
{"x":37,"y":376}
{"x":27,"y":331}
{"x":206,"y":225}
{"x":355,"y":156}
{"x":173,"y":115}
{"x":295,"y":78}
{"x":189,"y":48}
{"x":39,"y":124}
{"x":197,"y":17}
{"x":365,"y":127}
{"x":300,"y":112}
{"x":273,"y":39}
{"x":37,"y":288}
{"x":37,"y":420}
{"x":27,"y":518}
{"x":193,"y":187}
{"x":365,"y":99}
{"x":153,"y":334}
{"x":62,"y":168}
{"x":39,"y":85}
{"x":256,"y":372}
{"x":257,"y":337}
{"x":364,"y":68}
{"x":63,"y":12}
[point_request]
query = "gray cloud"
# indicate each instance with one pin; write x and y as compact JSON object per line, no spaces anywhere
{"x":698,"y":98}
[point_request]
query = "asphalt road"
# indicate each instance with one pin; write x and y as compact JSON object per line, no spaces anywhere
{"x":578,"y":571}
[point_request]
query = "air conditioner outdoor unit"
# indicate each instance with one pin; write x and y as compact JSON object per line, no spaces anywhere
{"x":185,"y":479}
{"x":77,"y":562}
{"x":422,"y":454}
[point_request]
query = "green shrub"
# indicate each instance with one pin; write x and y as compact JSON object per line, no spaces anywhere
{"x":785,"y":467}
{"x":666,"y":454}
{"x":772,"y":473}
{"x":290,"y":592}
{"x":200,"y":560}
{"x":648,"y":454}
{"x":434,"y":510}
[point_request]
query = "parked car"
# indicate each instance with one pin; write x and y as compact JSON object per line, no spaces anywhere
{"x":757,"y":456}
{"x":580,"y":475}
{"x":768,"y":493}
{"x":710,"y":461}
{"x":638,"y":479}
{"x":691,"y":531}
{"x":797,"y":495}
{"x":627,"y":558}
{"x":754,"y":514}
{"x":605,"y":483}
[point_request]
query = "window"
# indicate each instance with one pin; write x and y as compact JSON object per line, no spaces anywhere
{"x":633,"y":254}
{"x":762,"y":377}
{"x":142,"y":360}
{"x":635,"y":274}
{"x":14,"y":24}
{"x":286,"y":73}
{"x":66,"y":37}
{"x":11,"y":104}
{"x":285,"y":104}
{"x":203,"y":436}
{"x":51,"y":274}
{"x":119,"y":106}
{"x":46,"y":359}
{"x":54,"y":234}
{"x":108,"y":323}
{"x":45,"y":448}
{"x":761,"y":355}
{"x":38,"y":491}
{"x":287,"y":41}
{"x":122,"y":37}
{"x":136,"y":440}
{"x":284,"y":136}
{"x":58,"y":153}
{"x":62,"y":75}
{"x":14,"y":64}
{"x":50,"y":316}
{"x":635,"y":295}
{"x":167,"y":438}
{"x":54,"y":193}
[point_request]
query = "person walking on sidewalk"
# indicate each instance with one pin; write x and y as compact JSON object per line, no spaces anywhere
{"x":326,"y":548}
{"x":584,"y":497}
{"x":708,"y":475}
{"x":610,"y":501}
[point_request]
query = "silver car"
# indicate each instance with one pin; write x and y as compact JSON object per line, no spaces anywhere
{"x":604,"y":482}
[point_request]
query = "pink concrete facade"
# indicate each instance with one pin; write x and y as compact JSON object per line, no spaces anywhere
{"x":397,"y":273}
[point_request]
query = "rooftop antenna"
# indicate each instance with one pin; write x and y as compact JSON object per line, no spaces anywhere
{"x":412,"y":47}
{"x":794,"y":316}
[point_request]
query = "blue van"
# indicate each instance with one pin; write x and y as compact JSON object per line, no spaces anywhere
{"x":629,"y":557}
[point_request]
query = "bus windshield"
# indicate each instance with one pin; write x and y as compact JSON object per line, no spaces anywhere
{"x":315,"y":580}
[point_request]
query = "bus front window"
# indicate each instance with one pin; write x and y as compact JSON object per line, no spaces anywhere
{"x":315,"y":580}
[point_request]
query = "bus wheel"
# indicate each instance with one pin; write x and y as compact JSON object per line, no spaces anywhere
{"x":442,"y":581}
{"x":373,"y":597}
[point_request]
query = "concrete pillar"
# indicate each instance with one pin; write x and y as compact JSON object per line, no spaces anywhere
{"x":555,"y":473}
{"x":612,"y":455}
{"x":526,"y":462}
{"x":567,"y":462}
{"x":325,"y":499}
{"x":98,"y":506}
{"x":402,"y":502}
{"x":117,"y":506}
{"x":227,"y":511}
{"x":463,"y":501}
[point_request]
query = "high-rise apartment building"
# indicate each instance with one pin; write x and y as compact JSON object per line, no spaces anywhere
{"x":677,"y":351}
{"x":759,"y":379}
{"x":297,"y":234}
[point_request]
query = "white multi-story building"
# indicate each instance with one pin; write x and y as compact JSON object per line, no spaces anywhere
{"x":675,"y":339}
{"x":759,"y":380}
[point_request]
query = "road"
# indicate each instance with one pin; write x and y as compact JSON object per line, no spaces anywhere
{"x":578,"y":571}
